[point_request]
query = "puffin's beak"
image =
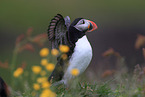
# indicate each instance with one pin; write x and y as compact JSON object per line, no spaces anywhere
{"x":92,"y":26}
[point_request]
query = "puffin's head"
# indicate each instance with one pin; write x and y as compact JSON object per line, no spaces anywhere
{"x":79,"y":27}
{"x":83,"y":25}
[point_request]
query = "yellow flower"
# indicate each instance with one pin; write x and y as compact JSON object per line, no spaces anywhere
{"x":75,"y":72}
{"x":36,"y":69}
{"x":64,"y":48}
{"x":64,"y":56}
{"x":18,"y":72}
{"x":42,"y":73}
{"x":45,"y":84}
{"x":44,"y":62}
{"x":36,"y":86}
{"x":42,"y":79}
{"x":47,"y":93}
{"x":50,"y":67}
{"x":44,"y":52}
{"x":54,"y":52}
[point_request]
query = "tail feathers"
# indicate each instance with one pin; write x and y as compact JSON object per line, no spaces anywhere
{"x":56,"y":75}
{"x":4,"y":92}
{"x":58,"y":71}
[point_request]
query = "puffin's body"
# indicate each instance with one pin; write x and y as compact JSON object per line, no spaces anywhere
{"x":80,"y":59}
{"x":61,"y":32}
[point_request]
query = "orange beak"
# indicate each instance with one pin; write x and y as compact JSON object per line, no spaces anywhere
{"x":92,"y":26}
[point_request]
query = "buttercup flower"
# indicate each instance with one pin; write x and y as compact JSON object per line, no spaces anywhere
{"x":42,"y":79}
{"x":47,"y":93}
{"x":36,"y":69}
{"x":50,"y":67}
{"x":54,"y":52}
{"x":44,"y":52}
{"x":18,"y":72}
{"x":64,"y":48}
{"x":44,"y":62}
{"x":45,"y":84}
{"x":64,"y":56}
{"x":75,"y":72}
{"x":36,"y":86}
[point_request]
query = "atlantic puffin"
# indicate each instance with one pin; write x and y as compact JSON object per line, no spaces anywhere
{"x":62,"y":32}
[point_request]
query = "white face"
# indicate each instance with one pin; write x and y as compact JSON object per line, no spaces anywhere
{"x":82,"y":25}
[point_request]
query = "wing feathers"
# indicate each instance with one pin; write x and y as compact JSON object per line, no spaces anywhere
{"x":58,"y":34}
{"x":67,"y":22}
{"x":52,"y":26}
{"x":57,"y":31}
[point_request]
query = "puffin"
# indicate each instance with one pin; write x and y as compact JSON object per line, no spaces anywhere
{"x":62,"y":32}
{"x":4,"y":91}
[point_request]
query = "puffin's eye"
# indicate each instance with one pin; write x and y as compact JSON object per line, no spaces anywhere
{"x":83,"y":22}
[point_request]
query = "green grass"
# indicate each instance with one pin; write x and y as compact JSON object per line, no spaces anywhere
{"x":125,"y":85}
{"x":103,"y":89}
{"x":115,"y":83}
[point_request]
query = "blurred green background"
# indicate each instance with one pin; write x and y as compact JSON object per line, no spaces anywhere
{"x":119,"y":22}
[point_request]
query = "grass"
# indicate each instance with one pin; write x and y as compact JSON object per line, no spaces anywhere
{"x":111,"y":88}
{"x":31,"y":81}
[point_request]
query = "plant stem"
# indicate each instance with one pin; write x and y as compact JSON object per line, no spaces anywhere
{"x":13,"y":63}
{"x":14,"y":58}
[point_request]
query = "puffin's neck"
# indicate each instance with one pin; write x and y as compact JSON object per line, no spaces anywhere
{"x":74,"y":35}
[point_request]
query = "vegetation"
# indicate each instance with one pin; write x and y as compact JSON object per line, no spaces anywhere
{"x":30,"y":81}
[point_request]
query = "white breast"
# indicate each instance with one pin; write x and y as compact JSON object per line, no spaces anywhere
{"x":80,"y":58}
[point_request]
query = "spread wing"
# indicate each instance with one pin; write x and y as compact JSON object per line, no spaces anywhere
{"x":58,"y":34}
{"x":58,"y":30}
